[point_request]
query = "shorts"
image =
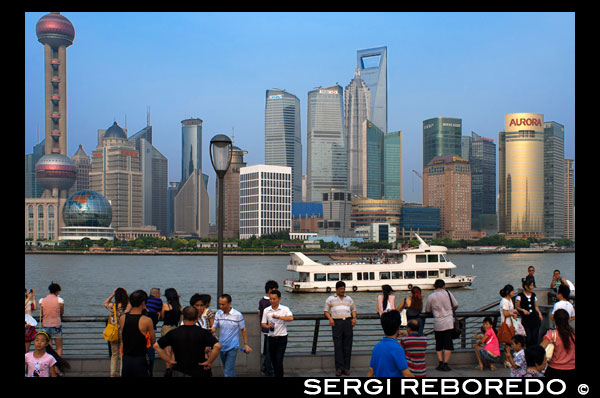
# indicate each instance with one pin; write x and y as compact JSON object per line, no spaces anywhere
{"x":487,"y":356}
{"x":443,"y":340}
{"x":53,"y":332}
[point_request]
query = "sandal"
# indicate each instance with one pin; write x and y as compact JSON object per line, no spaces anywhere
{"x":492,"y":367}
{"x":479,"y":367}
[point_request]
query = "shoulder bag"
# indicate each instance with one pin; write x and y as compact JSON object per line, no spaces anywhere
{"x":550,"y":346}
{"x":506,"y":333}
{"x":456,"y":330}
{"x":111,"y":332}
{"x":403,"y":318}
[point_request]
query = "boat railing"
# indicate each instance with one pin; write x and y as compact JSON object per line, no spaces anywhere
{"x":307,"y":334}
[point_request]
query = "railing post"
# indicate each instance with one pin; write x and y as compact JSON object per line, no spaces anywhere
{"x":315,"y":337}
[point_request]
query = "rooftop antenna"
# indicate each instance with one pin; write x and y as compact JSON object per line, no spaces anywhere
{"x":148,"y":116}
{"x":232,"y":136}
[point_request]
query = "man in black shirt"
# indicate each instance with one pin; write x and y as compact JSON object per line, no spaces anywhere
{"x":189,"y":343}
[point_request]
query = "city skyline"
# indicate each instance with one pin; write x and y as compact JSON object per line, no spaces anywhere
{"x":477,"y":67}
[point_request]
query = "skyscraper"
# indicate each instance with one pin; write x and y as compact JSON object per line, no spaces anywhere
{"x":372,"y":66}
{"x":357,"y":106}
{"x":326,"y":165}
{"x":482,"y":157}
{"x":569,"y":200}
{"x":283,"y":144}
{"x":231,"y":190}
{"x":82,"y":162}
{"x":441,"y":136}
{"x":554,"y":175}
{"x":191,"y":147}
{"x":392,"y":165}
{"x":521,"y":176}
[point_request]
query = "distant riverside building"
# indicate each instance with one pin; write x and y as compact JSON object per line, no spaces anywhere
{"x":424,"y":221}
{"x":447,"y":186}
{"x":554,"y":180}
{"x":392,"y":165}
{"x":372,"y":66}
{"x":382,"y":163}
{"x":305,"y":216}
{"x":326,"y":162}
{"x":116,"y":175}
{"x":83,"y":164}
{"x":377,"y":232}
{"x":32,"y":188}
{"x":265,"y":200}
{"x":155,"y":170}
{"x":366,"y":211}
{"x":357,"y":105}
{"x":191,"y":202}
{"x":87,"y":214}
{"x":441,"y":136}
{"x":569,"y":200}
{"x":481,"y":152}
{"x":521,"y":176}
{"x":337,"y":210}
{"x":171,"y":192}
{"x":231,"y":200}
{"x":283,"y":139}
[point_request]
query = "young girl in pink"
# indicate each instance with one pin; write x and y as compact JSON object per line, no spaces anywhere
{"x":487,"y":348}
{"x":38,"y":362}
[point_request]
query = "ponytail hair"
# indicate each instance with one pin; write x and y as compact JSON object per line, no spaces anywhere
{"x":506,"y":290}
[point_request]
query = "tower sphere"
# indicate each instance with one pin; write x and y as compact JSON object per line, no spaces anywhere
{"x":55,"y":30}
{"x":55,"y":171}
{"x":87,"y":208}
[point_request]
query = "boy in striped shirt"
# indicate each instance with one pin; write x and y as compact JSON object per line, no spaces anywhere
{"x":415,"y":345}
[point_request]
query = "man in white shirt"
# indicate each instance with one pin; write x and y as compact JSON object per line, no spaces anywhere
{"x":275,"y":319}
{"x":563,"y":302}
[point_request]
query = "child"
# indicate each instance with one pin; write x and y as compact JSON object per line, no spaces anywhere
{"x":487,"y":348}
{"x":517,"y":363}
{"x":43,"y":360}
{"x":535,"y":356}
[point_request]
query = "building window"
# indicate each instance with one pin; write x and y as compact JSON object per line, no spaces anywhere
{"x":51,"y":211}
{"x":40,"y":211}
{"x":30,"y":212}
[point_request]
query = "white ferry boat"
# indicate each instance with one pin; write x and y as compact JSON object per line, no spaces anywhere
{"x":401,"y":269}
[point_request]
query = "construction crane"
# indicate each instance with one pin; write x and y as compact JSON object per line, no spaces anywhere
{"x":418,"y":174}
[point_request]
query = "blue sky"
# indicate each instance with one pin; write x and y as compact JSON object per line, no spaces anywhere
{"x":218,"y":66}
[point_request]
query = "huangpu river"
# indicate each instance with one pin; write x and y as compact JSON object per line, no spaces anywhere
{"x":87,"y":280}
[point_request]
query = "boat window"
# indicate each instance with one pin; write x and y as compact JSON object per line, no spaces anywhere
{"x":409,"y":274}
{"x":443,"y":258}
{"x":432,"y":258}
{"x":372,"y":275}
{"x":333,"y":277}
{"x":359,"y":276}
{"x":421,"y":258}
{"x":320,"y":278}
{"x":421,"y":274}
{"x":397,"y":275}
{"x":384,"y":275}
{"x":347,"y":276}
{"x":303,"y":276}
{"x":432,"y":274}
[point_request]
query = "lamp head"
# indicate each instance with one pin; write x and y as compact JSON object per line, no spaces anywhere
{"x":220,"y":153}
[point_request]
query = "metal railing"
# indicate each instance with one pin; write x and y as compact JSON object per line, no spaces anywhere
{"x":307,"y":334}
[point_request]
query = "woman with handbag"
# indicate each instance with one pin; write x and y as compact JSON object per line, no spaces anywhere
{"x":117,"y":308}
{"x":507,"y":313}
{"x":562,"y":361}
{"x":414,"y":306}
{"x":386,"y":301}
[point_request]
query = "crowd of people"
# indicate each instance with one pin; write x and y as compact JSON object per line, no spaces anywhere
{"x":189,"y":343}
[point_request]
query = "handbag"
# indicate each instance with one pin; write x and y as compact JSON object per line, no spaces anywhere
{"x":403,"y":318}
{"x":456,"y":327}
{"x":111,"y":332}
{"x":519,"y":328}
{"x":550,"y":347}
{"x":505,"y":333}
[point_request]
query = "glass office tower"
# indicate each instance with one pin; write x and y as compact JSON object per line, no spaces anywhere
{"x":191,"y":147}
{"x":392,"y":165}
{"x":521,"y":176}
{"x":372,"y":65}
{"x":482,"y":157}
{"x":441,"y":136}
{"x":326,"y":157}
{"x":554,"y":180}
{"x":283,"y":145}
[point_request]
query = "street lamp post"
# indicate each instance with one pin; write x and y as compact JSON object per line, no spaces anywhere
{"x":220,"y":157}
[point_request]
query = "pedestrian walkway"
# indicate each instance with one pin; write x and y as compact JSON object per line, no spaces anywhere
{"x":457,"y":371}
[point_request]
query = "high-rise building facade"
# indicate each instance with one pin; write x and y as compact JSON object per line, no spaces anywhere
{"x":337,"y":211}
{"x":482,"y":158}
{"x":392,"y":165}
{"x":191,"y":147}
{"x":32,"y":188}
{"x":83,"y":164}
{"x":357,"y":105}
{"x":115,"y":174}
{"x":231,"y":191}
{"x":554,"y":184}
{"x":521,"y":176}
{"x":283,"y":139}
{"x":372,"y":65}
{"x":447,"y":186}
{"x":441,"y":136}
{"x":569,"y":200}
{"x":326,"y":157}
{"x":155,"y":171}
{"x":265,"y":200}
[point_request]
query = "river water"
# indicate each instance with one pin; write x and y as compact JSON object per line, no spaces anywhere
{"x":87,"y":280}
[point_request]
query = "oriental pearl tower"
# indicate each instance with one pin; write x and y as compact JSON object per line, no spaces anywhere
{"x":55,"y":171}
